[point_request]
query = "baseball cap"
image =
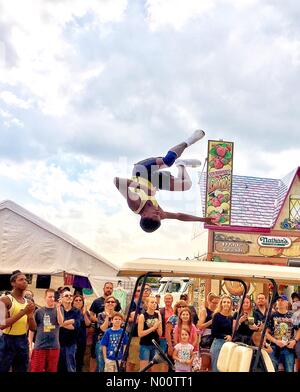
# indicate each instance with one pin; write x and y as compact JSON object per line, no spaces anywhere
{"x":284,"y":297}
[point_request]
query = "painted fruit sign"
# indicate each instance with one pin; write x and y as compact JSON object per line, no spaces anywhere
{"x":219,"y":180}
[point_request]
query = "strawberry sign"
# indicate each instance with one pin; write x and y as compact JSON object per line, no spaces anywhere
{"x":219,"y":181}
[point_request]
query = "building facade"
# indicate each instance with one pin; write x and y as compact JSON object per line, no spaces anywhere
{"x":264,"y":227}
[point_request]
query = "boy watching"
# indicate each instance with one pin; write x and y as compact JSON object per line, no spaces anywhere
{"x":48,"y":319}
{"x":110,"y":342}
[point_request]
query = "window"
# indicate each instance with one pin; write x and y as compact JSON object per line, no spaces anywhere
{"x":173,"y":287}
{"x":294,"y":208}
{"x":161,"y":288}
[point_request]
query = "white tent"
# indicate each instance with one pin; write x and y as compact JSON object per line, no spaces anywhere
{"x":32,"y":245}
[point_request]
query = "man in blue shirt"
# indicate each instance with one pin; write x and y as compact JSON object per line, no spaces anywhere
{"x":96,"y":308}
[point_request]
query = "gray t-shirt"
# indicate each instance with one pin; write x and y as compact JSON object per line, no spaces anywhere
{"x":47,"y":333}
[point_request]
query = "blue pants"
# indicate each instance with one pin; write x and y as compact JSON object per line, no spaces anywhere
{"x":99,"y":357}
{"x":14,"y":353}
{"x":215,"y":351}
{"x":283,"y":355}
{"x":149,"y":170}
{"x":163,"y":344}
{"x":147,"y":352}
{"x":67,"y":359}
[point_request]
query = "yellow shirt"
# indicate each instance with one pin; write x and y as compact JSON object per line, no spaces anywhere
{"x":142,"y":194}
{"x":20,"y":326}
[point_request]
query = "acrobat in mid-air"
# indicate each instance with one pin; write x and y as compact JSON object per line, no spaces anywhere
{"x":147,"y":178}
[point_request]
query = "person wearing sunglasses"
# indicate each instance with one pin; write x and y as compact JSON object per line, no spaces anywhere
{"x":96,"y":308}
{"x":104,"y":321}
{"x":82,"y":360}
{"x":68,"y":334}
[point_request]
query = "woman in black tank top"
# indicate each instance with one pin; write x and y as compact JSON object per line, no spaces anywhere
{"x":209,"y":314}
{"x":204,"y":324}
{"x":149,"y":327}
{"x":205,"y":327}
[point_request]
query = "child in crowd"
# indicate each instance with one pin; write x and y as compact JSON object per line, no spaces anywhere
{"x":149,"y":328}
{"x":183,"y":353}
{"x":185,"y":321}
{"x":110,"y":342}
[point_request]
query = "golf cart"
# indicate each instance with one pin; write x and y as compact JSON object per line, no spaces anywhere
{"x":234,"y":357}
{"x":174,"y":286}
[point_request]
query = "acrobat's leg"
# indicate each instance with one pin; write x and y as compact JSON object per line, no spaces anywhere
{"x":150,"y":168}
{"x":176,"y":151}
{"x":183,"y":181}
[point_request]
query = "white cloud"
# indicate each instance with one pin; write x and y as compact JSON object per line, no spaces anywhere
{"x":10,"y":120}
{"x":92,"y":210}
{"x":11,"y":99}
{"x":2,"y":54}
{"x":44,"y":56}
{"x":105,"y":90}
{"x":14,"y":171}
{"x":176,"y":13}
{"x":111,"y":79}
{"x":241,"y":4}
{"x":279,"y":164}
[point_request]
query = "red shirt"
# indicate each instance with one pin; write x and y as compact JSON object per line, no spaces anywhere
{"x":168,"y":313}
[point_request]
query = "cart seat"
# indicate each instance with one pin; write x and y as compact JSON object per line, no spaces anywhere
{"x":267,"y":360}
{"x":238,"y":357}
{"x":225,"y":355}
{"x":240,"y":360}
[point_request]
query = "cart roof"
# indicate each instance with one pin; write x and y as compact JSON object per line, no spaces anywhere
{"x":211,"y":270}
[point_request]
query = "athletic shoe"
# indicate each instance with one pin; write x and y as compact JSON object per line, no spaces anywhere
{"x":188,"y":162}
{"x":195,"y":137}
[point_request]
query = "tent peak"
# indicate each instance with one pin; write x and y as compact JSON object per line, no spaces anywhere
{"x":26,"y":214}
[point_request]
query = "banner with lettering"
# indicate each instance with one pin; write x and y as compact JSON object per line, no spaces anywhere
{"x":219,"y":181}
{"x":253,"y":244}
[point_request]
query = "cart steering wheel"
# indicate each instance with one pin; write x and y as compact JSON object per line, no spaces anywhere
{"x":163,"y":354}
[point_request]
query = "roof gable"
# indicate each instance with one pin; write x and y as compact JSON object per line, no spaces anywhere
{"x":256,"y":201}
{"x":289,"y":182}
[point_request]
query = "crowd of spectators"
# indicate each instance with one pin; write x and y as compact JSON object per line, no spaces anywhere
{"x":64,"y":336}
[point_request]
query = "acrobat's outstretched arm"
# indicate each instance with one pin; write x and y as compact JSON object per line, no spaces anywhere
{"x":186,"y":217}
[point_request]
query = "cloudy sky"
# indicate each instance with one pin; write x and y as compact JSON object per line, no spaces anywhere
{"x":89,"y":87}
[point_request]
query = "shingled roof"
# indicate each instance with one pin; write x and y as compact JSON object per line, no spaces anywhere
{"x":256,"y":201}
